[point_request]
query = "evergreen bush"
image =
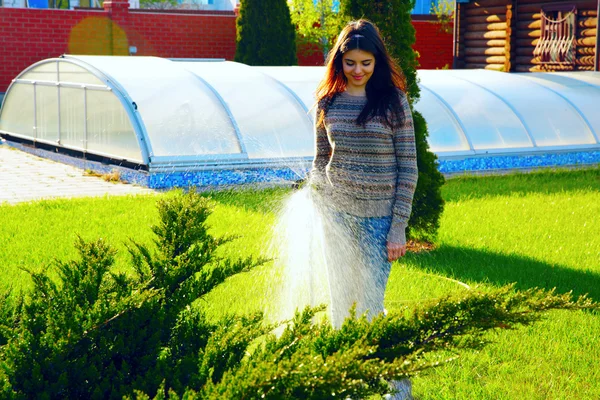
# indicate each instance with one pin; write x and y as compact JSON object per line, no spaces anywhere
{"x":393,"y":18}
{"x":96,"y":334}
{"x":265,"y":34}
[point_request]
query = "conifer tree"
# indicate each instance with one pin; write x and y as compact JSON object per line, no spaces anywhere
{"x":265,"y":34}
{"x":394,"y":21}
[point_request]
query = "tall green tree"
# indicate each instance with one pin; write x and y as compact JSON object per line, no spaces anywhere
{"x":265,"y":33}
{"x":394,"y":21}
{"x":317,"y":23}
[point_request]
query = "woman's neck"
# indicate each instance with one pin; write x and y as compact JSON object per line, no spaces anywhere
{"x":360,"y":92}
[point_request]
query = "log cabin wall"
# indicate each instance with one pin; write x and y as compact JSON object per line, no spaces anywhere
{"x":484,"y":28}
{"x":501,"y":35}
{"x":527,"y":32}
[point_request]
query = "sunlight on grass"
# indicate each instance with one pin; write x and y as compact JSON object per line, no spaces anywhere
{"x":539,"y":229}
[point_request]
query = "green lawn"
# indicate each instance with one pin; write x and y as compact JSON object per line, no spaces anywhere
{"x":539,"y":229}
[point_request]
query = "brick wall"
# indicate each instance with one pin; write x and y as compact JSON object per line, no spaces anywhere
{"x":433,"y":45}
{"x":31,"y":35}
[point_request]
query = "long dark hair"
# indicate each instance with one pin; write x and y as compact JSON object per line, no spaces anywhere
{"x":382,"y":88}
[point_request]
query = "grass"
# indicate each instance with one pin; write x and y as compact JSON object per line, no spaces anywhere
{"x":538,"y":229}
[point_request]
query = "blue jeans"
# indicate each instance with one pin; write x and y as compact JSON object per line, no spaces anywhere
{"x":358,"y":270}
{"x":357,"y":264}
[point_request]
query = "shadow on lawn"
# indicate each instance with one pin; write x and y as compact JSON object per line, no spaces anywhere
{"x":471,"y":265}
{"x":544,"y":182}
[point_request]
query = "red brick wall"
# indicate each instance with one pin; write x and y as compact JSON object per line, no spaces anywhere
{"x":433,"y":45}
{"x":31,"y":35}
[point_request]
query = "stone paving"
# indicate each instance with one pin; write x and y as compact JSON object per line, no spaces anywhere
{"x":25,"y":177}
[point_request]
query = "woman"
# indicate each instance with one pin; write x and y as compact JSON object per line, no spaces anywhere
{"x":364,"y":170}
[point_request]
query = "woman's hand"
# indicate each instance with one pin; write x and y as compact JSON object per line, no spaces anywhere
{"x":395,"y":251}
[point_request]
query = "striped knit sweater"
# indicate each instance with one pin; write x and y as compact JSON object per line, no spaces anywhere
{"x":366,"y":171}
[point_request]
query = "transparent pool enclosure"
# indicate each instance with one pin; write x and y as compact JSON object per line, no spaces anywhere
{"x":206,"y":122}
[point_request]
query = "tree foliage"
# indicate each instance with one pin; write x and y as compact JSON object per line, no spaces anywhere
{"x":317,"y":24}
{"x":265,"y":33}
{"x":95,"y":333}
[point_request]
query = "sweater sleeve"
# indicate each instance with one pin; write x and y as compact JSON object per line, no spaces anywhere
{"x":407,"y":174}
{"x":322,"y":151}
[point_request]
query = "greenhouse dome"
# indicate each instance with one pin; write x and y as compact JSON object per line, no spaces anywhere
{"x":213,"y":122}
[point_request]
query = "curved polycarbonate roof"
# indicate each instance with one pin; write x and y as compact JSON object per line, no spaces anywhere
{"x":171,"y":114}
{"x":499,"y":112}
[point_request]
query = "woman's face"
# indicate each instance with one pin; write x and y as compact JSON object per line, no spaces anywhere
{"x":358,"y":68}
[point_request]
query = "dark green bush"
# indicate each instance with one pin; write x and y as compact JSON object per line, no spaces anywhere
{"x":97,"y":334}
{"x":265,"y":34}
{"x":394,"y":20}
{"x":428,"y":203}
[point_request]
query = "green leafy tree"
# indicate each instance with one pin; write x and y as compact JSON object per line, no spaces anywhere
{"x":159,"y":4}
{"x":394,"y":21}
{"x":317,"y":24}
{"x":444,"y":11}
{"x":93,"y":333}
{"x":265,"y":33}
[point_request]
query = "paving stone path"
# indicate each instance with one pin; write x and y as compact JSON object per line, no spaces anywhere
{"x":25,"y":177}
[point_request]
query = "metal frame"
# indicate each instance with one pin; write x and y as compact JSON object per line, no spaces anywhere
{"x":225,"y":106}
{"x":290,"y":91}
{"x":111,"y":86}
{"x":222,"y":163}
{"x":136,"y":121}
{"x":463,"y":131}
{"x":58,"y":101}
{"x":516,"y":151}
{"x":527,"y":131}
{"x":35,"y":132}
{"x":570,"y":103}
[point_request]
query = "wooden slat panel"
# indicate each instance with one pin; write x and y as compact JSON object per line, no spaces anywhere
{"x":585,"y":60}
{"x":526,"y":7}
{"x":493,"y":67}
{"x":485,"y":43}
{"x":485,"y":59}
{"x":542,"y":68}
{"x":485,"y":35}
{"x":524,"y":51}
{"x":586,"y":50}
{"x":586,"y":41}
{"x":590,"y":32}
{"x":485,"y":51}
{"x":497,"y":26}
{"x":529,"y":16}
{"x":527,"y":42}
{"x":588,"y":22}
{"x":528,"y":34}
{"x":470,"y":12}
{"x":481,"y":19}
{"x":531,"y":24}
{"x":488,"y":3}
{"x":509,"y":33}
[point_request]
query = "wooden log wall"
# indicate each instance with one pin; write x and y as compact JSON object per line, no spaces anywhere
{"x":484,"y":31}
{"x":502,"y":34}
{"x":527,"y":31}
